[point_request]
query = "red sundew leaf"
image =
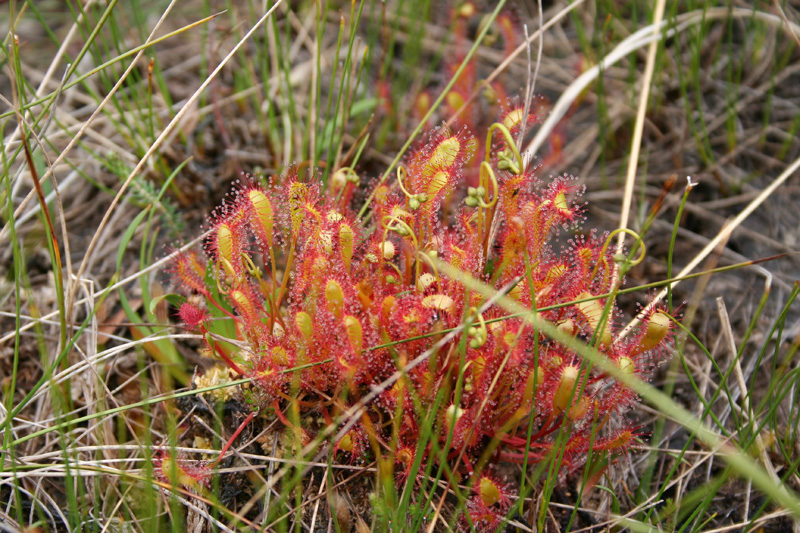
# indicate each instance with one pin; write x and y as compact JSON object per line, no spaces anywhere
{"x":464,"y":254}
{"x":355,"y":333}
{"x":227,"y":241}
{"x":192,"y":316}
{"x":489,"y":503}
{"x":385,"y":200}
{"x":615,"y":399}
{"x":310,"y":274}
{"x":409,"y":318}
{"x":305,"y":209}
{"x":465,"y":433}
{"x":269,"y":365}
{"x":620,"y":441}
{"x":559,"y":197}
{"x":653,"y":337}
{"x":511,"y":254}
{"x":335,"y":238}
{"x":514,"y":111}
{"x":514,"y":188}
{"x":434,"y":169}
{"x":248,"y":306}
{"x":298,"y":195}
{"x":188,"y":273}
{"x":493,"y":492}
{"x":257,"y":204}
{"x":341,"y":308}
{"x":585,"y":253}
{"x":404,"y":461}
{"x":179,"y":470}
{"x":346,"y":244}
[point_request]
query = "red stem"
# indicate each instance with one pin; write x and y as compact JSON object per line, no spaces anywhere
{"x":228,"y":360}
{"x":236,"y":433}
{"x":281,"y":416}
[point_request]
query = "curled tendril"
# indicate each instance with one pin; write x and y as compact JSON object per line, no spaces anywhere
{"x":479,"y":334}
{"x":394,"y":267}
{"x":251,"y":267}
{"x":625,"y":263}
{"x":227,"y":265}
{"x":396,"y":224}
{"x":515,"y":165}
{"x":414,"y":200}
{"x":401,"y":173}
{"x":425,"y":257}
{"x":399,"y":227}
{"x":476,"y":196}
{"x":350,"y":174}
{"x":486,"y":170}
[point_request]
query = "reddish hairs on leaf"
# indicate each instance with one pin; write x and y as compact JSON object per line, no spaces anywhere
{"x":188,"y":272}
{"x":489,"y":503}
{"x":256,"y":203}
{"x":227,"y":241}
{"x":192,"y":316}
{"x":180,"y":470}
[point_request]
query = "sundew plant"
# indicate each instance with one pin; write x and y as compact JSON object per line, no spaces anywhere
{"x":335,"y":314}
